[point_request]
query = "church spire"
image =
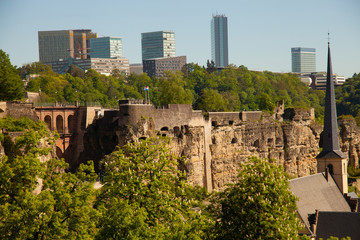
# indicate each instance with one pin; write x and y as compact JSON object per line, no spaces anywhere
{"x":331,"y":147}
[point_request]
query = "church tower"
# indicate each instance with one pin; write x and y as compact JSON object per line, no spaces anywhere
{"x":331,"y":158}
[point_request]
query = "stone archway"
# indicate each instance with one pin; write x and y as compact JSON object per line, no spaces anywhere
{"x":47,"y":121}
{"x":60,"y":124}
{"x":71,"y":123}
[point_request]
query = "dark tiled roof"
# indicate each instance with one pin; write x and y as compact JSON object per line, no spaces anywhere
{"x":314,"y":192}
{"x":338,"y":224}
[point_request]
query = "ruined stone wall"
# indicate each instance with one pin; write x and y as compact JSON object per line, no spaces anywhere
{"x":293,"y":144}
{"x":214,"y":145}
{"x":17,"y":110}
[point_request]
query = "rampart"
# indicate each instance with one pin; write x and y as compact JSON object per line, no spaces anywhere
{"x":17,"y":110}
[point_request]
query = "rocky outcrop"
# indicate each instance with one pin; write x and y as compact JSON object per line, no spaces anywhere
{"x":350,"y":139}
{"x":212,"y":157}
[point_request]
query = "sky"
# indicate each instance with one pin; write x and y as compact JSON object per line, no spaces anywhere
{"x":261,"y":32}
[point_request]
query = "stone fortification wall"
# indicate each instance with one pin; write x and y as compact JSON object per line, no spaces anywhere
{"x":168,"y":116}
{"x":17,"y":110}
{"x":251,"y":115}
{"x":215,"y":144}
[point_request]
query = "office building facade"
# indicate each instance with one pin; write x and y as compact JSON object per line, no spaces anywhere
{"x":106,"y":47}
{"x":303,"y":60}
{"x":64,"y":44}
{"x":103,"y":66}
{"x":219,"y":41}
{"x":159,"y":44}
{"x":319,"y":80}
{"x":157,"y":66}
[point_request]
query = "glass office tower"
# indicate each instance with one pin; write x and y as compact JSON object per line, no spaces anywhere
{"x":303,"y":60}
{"x":159,"y":44}
{"x":60,"y":45}
{"x":106,"y":47}
{"x":219,"y":41}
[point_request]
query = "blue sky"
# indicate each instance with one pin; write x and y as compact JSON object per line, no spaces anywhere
{"x":261,"y":32}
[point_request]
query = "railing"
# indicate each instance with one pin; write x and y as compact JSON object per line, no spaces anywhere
{"x":74,"y":104}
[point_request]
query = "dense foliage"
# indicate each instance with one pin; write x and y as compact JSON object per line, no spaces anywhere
{"x":38,"y":200}
{"x":232,"y":89}
{"x":11,"y":85}
{"x":348,"y":98}
{"x":259,"y":206}
{"x":145,"y":196}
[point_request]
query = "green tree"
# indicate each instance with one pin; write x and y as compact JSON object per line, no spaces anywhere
{"x":11,"y":85}
{"x":144,"y":196}
{"x":258,"y":206}
{"x":39,"y":200}
{"x":172,"y":90}
{"x":265,"y":103}
{"x":211,"y":100}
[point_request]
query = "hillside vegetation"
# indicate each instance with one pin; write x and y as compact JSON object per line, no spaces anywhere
{"x":232,"y":89}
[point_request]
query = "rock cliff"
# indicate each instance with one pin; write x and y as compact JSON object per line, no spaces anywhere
{"x":212,"y":156}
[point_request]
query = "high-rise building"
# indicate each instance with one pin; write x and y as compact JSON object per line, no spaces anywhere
{"x":157,"y":66}
{"x":106,"y":47}
{"x":64,"y":44}
{"x":159,"y":44}
{"x":303,"y":60}
{"x":219,"y":41}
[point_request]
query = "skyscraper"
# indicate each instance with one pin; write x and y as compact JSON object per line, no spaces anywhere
{"x":64,"y":44}
{"x":219,"y":41}
{"x":159,"y":44}
{"x":106,"y":47}
{"x":303,"y":60}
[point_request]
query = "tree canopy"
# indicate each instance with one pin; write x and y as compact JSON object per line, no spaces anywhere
{"x":38,"y":200}
{"x":11,"y":85}
{"x":348,"y":97}
{"x":145,"y":196}
{"x":258,"y":206}
{"x":231,"y":89}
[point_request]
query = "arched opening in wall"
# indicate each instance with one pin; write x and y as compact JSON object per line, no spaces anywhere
{"x":213,"y":140}
{"x":164,"y":129}
{"x":142,"y":138}
{"x":231,"y":122}
{"x":331,"y":169}
{"x":176,"y":131}
{"x":164,"y":135}
{"x":60,"y":124}
{"x":59,"y":153}
{"x":47,"y":120}
{"x":256,"y":143}
{"x":234,"y":140}
{"x":71,"y":123}
{"x":214,"y":123}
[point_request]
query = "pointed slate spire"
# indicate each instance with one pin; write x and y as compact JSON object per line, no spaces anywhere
{"x":331,"y":146}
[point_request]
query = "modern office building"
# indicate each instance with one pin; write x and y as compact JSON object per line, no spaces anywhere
{"x":106,"y":47}
{"x":303,"y":60}
{"x":319,"y":80}
{"x":64,"y":44}
{"x":136,"y":68}
{"x":159,"y":44}
{"x":107,"y":65}
{"x":157,"y":66}
{"x":101,"y":65}
{"x":219,"y":41}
